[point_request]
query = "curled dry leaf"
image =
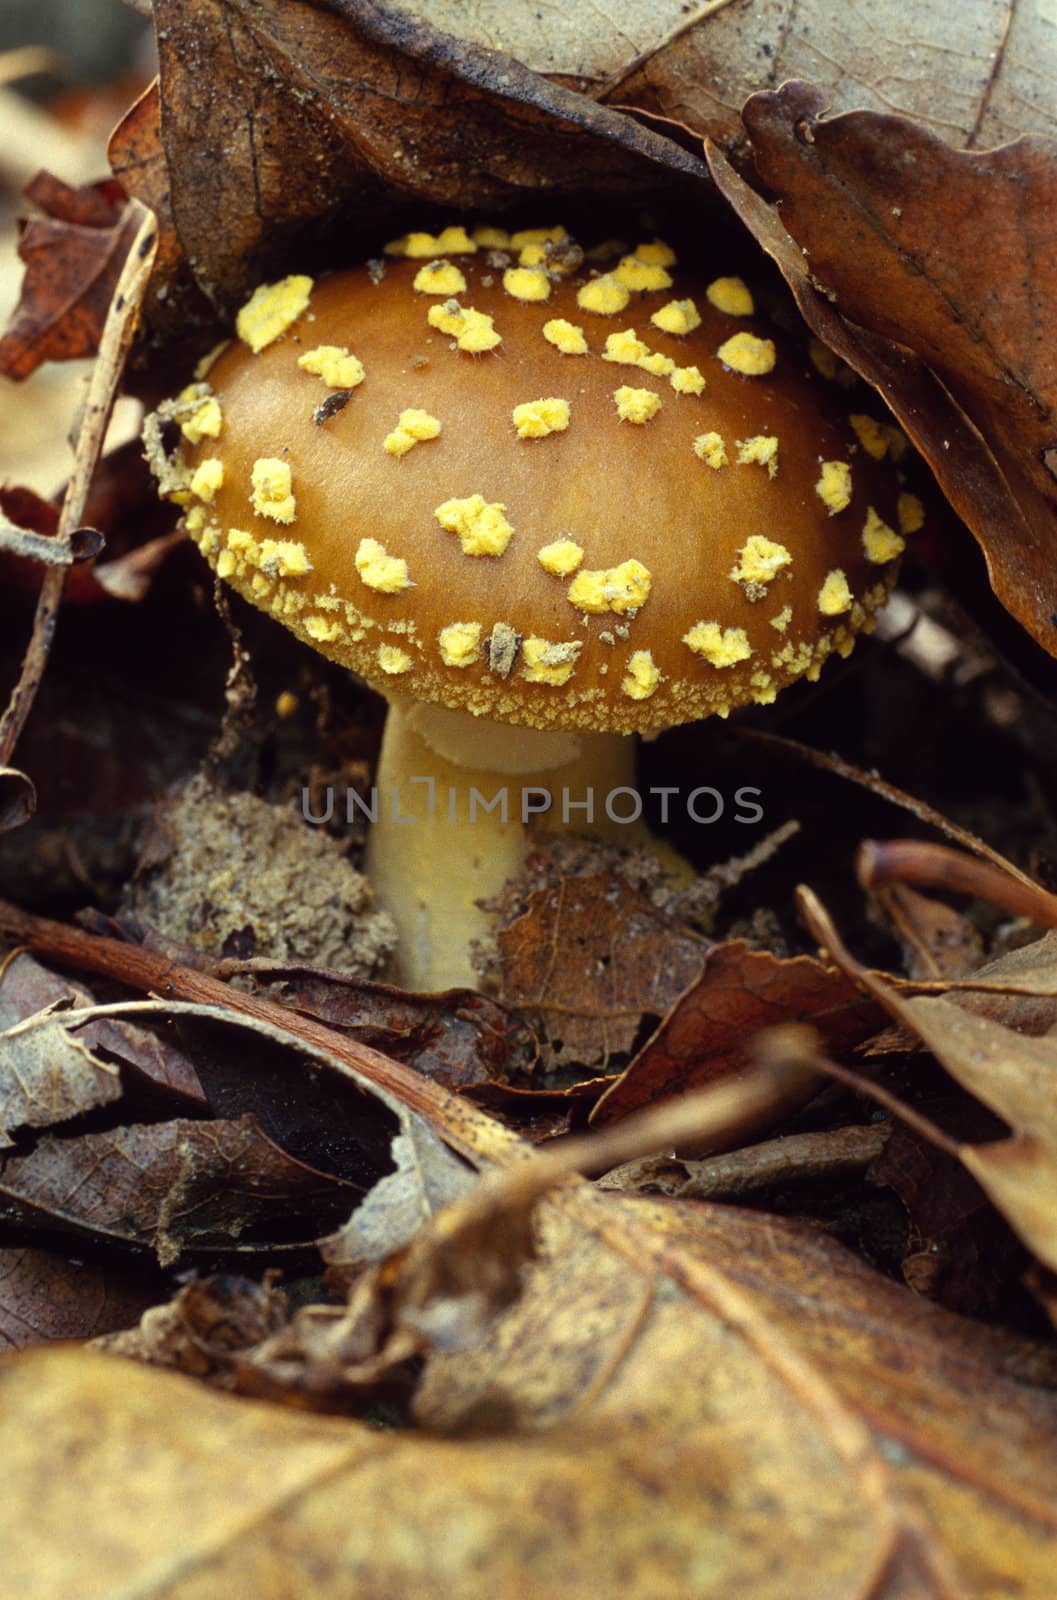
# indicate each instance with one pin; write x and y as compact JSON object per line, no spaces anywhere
{"x":322,"y":115}
{"x":74,"y":255}
{"x":797,"y":1425}
{"x":49,"y":1075}
{"x":890,"y":218}
{"x":705,"y":1036}
{"x":1014,"y":1076}
{"x":590,"y":959}
{"x":172,"y":1186}
{"x":977,"y":73}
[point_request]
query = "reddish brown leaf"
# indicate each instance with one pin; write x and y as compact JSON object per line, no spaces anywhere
{"x":46,"y":1296}
{"x":589,"y":960}
{"x":947,"y":254}
{"x":74,"y":255}
{"x":705,"y":1036}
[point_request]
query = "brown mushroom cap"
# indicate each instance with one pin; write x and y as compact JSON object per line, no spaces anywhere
{"x":725,"y":620}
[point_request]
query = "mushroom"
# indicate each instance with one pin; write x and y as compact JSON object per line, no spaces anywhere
{"x":540,"y":502}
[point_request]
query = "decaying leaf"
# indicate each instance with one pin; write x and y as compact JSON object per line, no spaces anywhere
{"x":705,"y":1037}
{"x":321,"y":114}
{"x":204,"y":1328}
{"x":172,"y":1186}
{"x":1015,"y":1076}
{"x":796,"y":1425}
{"x":44,"y":1296}
{"x":978,"y":74}
{"x":589,"y":960}
{"x":890,"y":218}
{"x":74,"y":255}
{"x":49,"y":1075}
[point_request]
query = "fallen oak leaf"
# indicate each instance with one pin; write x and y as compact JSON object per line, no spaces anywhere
{"x":889,"y":217}
{"x":1014,"y":1076}
{"x":705,"y":1036}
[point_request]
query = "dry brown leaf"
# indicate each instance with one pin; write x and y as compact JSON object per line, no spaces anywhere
{"x":323,"y":117}
{"x":1014,"y":1076}
{"x":795,"y":1424}
{"x":44,"y":1296}
{"x":588,"y":960}
{"x":172,"y":1186}
{"x":890,"y":218}
{"x":977,"y":73}
{"x":49,"y":1075}
{"x":74,"y":255}
{"x":705,"y":1037}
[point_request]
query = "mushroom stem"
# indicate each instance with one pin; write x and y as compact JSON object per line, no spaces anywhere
{"x":459,"y":798}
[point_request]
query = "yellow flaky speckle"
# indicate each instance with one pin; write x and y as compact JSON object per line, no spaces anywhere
{"x":544,"y":662}
{"x":678,"y":316}
{"x":911,"y":513}
{"x":419,"y":246}
{"x":871,"y":434}
{"x":272,"y":489}
{"x":333,"y":363}
{"x":460,"y":644}
{"x":759,"y":561}
{"x":562,"y":557}
{"x":196,"y":519}
{"x":271,"y":309}
{"x":709,"y":447}
{"x":721,"y":647}
{"x":834,"y":485}
{"x":660,"y":366}
{"x":206,"y":420}
{"x":880,"y":542}
{"x":530,"y":236}
{"x":283,"y":558}
{"x":208,"y":477}
{"x":623,"y":588}
{"x":636,"y":405}
{"x":413,"y":427}
{"x":488,"y":238}
{"x":687,"y":380}
{"x":565,"y":336}
{"x":393,"y":660}
{"x":782,"y":620}
{"x":324,"y":630}
{"x":835,"y":597}
{"x":481,"y":527}
{"x":527,"y":283}
{"x":604,"y":296}
{"x":439,"y":277}
{"x":625,"y":347}
{"x":473,"y":331}
{"x":642,"y":677}
{"x":634,"y":273}
{"x":379,"y":570}
{"x":655,"y":253}
{"x":731,"y":296}
{"x":227,"y":561}
{"x":747,"y":354}
{"x":535,"y":419}
{"x":762,"y":449}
